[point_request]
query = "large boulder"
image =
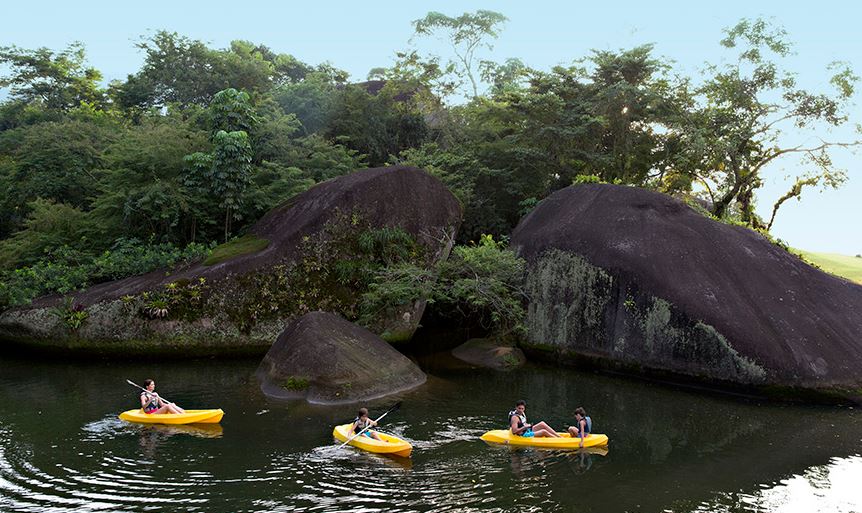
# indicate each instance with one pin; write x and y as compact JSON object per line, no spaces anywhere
{"x":491,"y":353}
{"x":635,"y":279}
{"x":287,"y":265}
{"x":325,"y":359}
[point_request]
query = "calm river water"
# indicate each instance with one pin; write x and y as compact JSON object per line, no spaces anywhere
{"x":62,"y":447}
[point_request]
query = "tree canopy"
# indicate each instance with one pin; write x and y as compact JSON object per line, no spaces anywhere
{"x":200,"y":142}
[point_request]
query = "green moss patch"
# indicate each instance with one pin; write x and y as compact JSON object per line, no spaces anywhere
{"x":295,"y":383}
{"x":242,"y":246}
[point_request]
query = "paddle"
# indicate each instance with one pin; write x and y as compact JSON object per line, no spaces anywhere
{"x":387,"y":412}
{"x":147,"y":391}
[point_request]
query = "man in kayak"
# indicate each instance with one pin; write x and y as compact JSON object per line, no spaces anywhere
{"x":362,"y":422}
{"x":582,"y":427}
{"x":519,"y":426}
{"x":152,"y":403}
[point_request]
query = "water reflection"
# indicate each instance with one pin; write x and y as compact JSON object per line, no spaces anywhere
{"x":831,"y":488}
{"x":671,"y":450}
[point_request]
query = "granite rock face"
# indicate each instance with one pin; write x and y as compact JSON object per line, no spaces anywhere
{"x":637,"y":279}
{"x":325,"y":359}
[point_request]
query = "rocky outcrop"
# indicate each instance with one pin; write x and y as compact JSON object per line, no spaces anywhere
{"x":304,"y":255}
{"x":325,"y":359}
{"x":491,"y":353}
{"x":630,"y":278}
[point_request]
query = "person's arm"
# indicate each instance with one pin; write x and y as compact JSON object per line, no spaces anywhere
{"x":581,"y":424}
{"x":514,"y":426}
{"x":144,"y":399}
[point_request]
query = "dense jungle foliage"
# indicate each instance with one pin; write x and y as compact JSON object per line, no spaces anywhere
{"x":103,"y":181}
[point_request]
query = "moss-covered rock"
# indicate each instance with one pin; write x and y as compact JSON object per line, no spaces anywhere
{"x":322,"y":358}
{"x":640,"y":280}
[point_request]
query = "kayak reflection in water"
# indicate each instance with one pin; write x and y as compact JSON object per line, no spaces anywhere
{"x":362,"y":422}
{"x":519,"y":426}
{"x":583,"y":425}
{"x":152,"y":403}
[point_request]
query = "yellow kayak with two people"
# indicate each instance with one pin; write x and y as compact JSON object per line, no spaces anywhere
{"x":565,"y":441}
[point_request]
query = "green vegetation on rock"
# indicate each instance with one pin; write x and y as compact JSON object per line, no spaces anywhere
{"x":244,"y":245}
{"x":295,"y":383}
{"x":579,"y":308}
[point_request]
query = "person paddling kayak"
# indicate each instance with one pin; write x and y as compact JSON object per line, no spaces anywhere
{"x":583,"y":425}
{"x":361,"y":422}
{"x":519,"y":426}
{"x":151,"y":402}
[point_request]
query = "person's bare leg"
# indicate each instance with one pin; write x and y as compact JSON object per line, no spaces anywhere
{"x":175,"y":409}
{"x":542,"y":425}
{"x":542,"y":433}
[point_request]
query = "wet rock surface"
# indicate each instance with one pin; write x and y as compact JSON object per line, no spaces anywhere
{"x":490,"y":353}
{"x":322,"y":358}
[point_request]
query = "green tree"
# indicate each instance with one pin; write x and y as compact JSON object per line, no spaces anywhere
{"x":142,"y":194}
{"x":231,"y":110}
{"x":734,"y":129}
{"x":377,"y":124}
{"x":225,"y":173}
{"x":183,"y":71}
{"x":48,"y":226}
{"x":53,"y":81}
{"x":56,"y":161}
{"x":466,"y":34}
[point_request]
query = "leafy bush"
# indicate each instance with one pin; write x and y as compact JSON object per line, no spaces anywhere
{"x":67,"y":270}
{"x":182,"y":299}
{"x":72,"y":314}
{"x":483,"y":281}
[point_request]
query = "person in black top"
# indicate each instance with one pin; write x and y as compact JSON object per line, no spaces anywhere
{"x":361,"y":422}
{"x":152,"y":403}
{"x":519,"y":426}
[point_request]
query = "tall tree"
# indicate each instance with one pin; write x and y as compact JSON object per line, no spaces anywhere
{"x":54,"y":81}
{"x":466,"y":34}
{"x":225,"y":173}
{"x":734,"y":129}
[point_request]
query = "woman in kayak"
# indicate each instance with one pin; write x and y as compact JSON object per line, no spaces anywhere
{"x":152,"y":403}
{"x":361,"y":422}
{"x":519,"y":426}
{"x":582,"y":426}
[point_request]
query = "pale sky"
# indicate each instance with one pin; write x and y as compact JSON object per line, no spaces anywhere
{"x":358,"y":37}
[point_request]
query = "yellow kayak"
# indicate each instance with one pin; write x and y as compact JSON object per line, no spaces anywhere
{"x":392,"y":444}
{"x":189,"y":417}
{"x":504,"y":436}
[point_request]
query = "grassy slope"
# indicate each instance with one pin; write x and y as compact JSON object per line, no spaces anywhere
{"x":842,"y":265}
{"x":241,"y":246}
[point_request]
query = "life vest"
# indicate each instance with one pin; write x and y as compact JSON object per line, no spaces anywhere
{"x":361,"y":425}
{"x":522,"y":419}
{"x":153,"y":404}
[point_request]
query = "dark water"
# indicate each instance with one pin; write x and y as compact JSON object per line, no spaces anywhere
{"x":62,"y":447}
